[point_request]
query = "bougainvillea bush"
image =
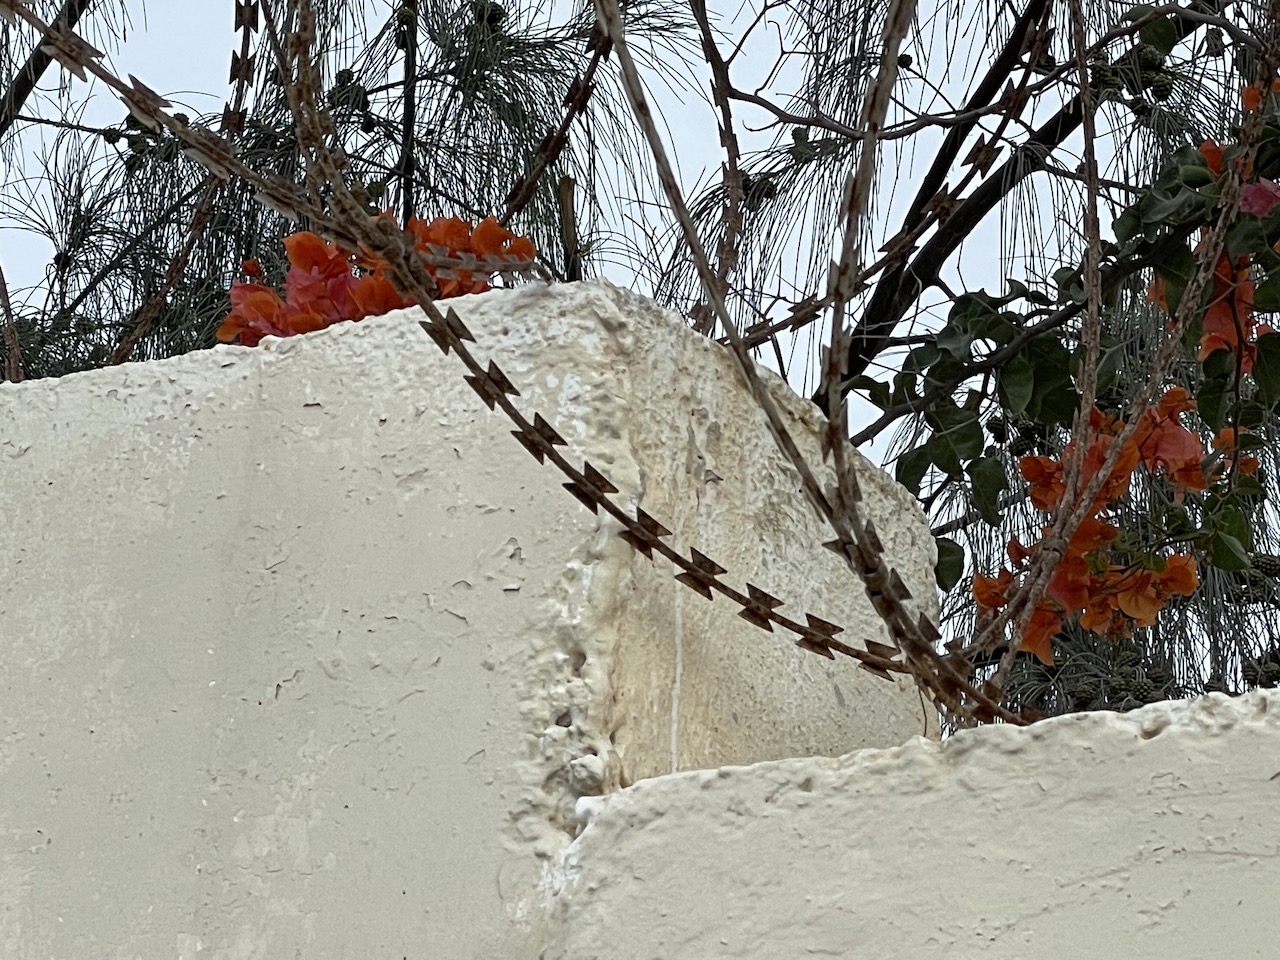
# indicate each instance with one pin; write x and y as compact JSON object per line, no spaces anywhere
{"x":326,"y":284}
{"x":1110,"y":581}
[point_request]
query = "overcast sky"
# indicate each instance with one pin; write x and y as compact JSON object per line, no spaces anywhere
{"x":176,"y":47}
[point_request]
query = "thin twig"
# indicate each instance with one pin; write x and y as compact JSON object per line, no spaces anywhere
{"x":549,"y":151}
{"x":731,"y":218}
{"x":13,"y":348}
{"x":25,"y":80}
{"x":1091,"y":329}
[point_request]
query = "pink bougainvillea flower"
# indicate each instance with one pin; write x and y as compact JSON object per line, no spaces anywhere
{"x":1259,"y":198}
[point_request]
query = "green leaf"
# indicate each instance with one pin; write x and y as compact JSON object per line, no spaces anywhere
{"x":904,"y":388}
{"x":1053,"y":397}
{"x":1266,"y":298}
{"x":876,"y":390}
{"x":1195,"y":174}
{"x":1249,"y":487}
{"x":987,"y":480}
{"x":1250,"y":413}
{"x":922,"y":357}
{"x":1138,"y":11}
{"x":1211,"y":402}
{"x":1220,"y":363}
{"x":1067,"y":280}
{"x":957,"y":436}
{"x":1016,"y":381}
{"x":1245,"y":236}
{"x":1159,"y":208}
{"x":1176,"y":268}
{"x":950,"y":566}
{"x":955,"y":340}
{"x":1266,"y":369}
{"x":912,"y":466}
{"x":1178,"y":522}
{"x":1128,"y":225}
{"x":946,"y":371}
{"x":943,"y":456}
{"x":1017,"y":290}
{"x":1226,"y":552}
{"x":1161,"y":34}
{"x":969,"y":307}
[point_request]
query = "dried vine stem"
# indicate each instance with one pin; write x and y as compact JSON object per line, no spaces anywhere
{"x":896,"y":291}
{"x":935,"y":202}
{"x":727,"y":247}
{"x":1091,"y":328}
{"x":232,"y":126}
{"x":575,"y":101}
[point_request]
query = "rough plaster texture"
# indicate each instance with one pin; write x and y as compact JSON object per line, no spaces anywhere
{"x":1153,"y":834}
{"x":302,"y":657}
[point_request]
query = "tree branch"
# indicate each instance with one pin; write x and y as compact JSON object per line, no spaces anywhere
{"x":896,"y":292}
{"x":24,"y":82}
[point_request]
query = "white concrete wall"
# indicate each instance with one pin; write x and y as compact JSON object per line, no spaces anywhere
{"x":302,"y":657}
{"x":1145,"y":836}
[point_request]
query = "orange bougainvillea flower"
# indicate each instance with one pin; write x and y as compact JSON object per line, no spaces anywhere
{"x":1144,"y":594}
{"x":991,"y":593}
{"x":1251,"y":96}
{"x":1157,"y":294}
{"x":374,"y":294}
{"x":1179,"y":577}
{"x":491,"y":239}
{"x":1044,"y":474}
{"x":256,"y":312}
{"x":1227,"y":442}
{"x":1164,"y":443}
{"x":1212,"y":154}
{"x":1117,"y":481}
{"x":1044,"y":625}
{"x":452,"y":234}
{"x":1139,"y":599}
{"x":1017,"y":552}
{"x":1229,"y":322}
{"x":1105,"y":597}
{"x":1070,"y":583}
{"x":325,"y":284}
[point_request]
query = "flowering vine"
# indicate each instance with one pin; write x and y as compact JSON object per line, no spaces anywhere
{"x":325,"y":284}
{"x":1106,"y":580}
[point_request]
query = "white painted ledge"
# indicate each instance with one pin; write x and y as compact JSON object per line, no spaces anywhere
{"x":302,"y":656}
{"x":1149,"y":835}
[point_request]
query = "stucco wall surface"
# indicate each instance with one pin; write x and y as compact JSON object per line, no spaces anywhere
{"x":1153,"y":834}
{"x":303,"y":657}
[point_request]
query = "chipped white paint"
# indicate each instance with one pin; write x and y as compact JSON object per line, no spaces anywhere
{"x":425,"y":653}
